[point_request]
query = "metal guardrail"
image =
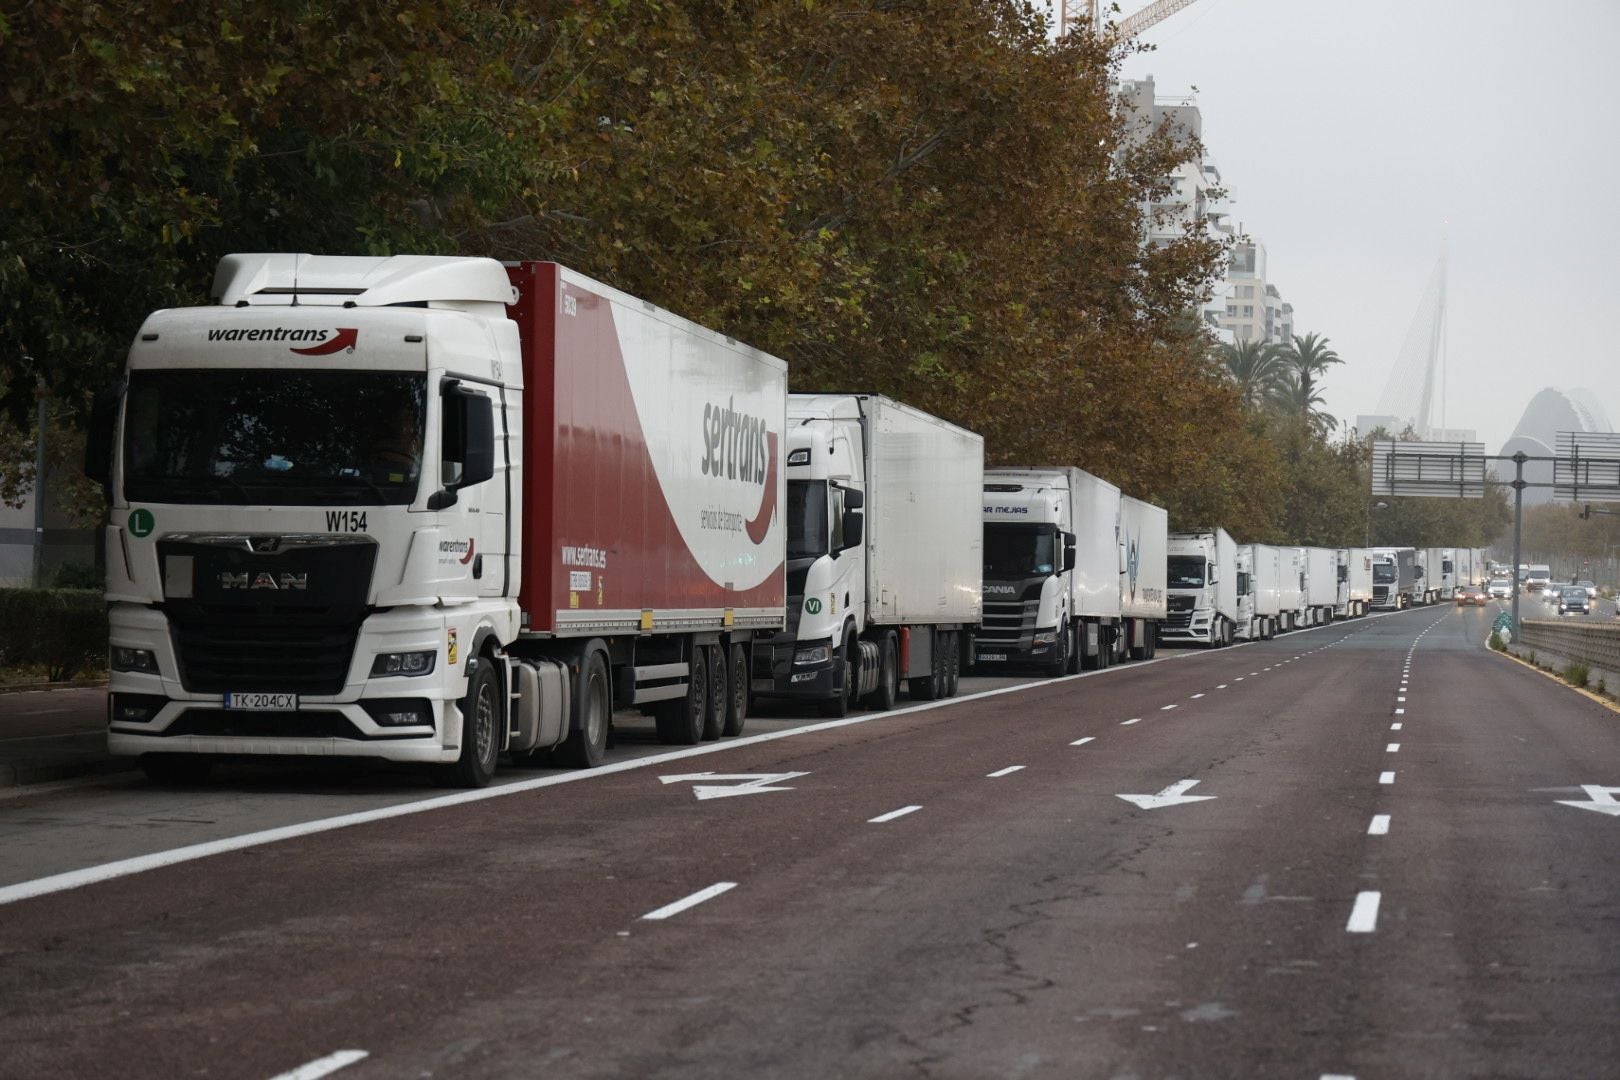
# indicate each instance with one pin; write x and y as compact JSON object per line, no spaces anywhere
{"x":1596,"y":644}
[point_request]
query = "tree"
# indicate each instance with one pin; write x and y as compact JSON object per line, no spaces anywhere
{"x":1255,"y":367}
{"x":1309,"y":357}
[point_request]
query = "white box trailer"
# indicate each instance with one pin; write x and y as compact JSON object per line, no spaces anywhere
{"x":1293,"y":588}
{"x":1144,"y":533}
{"x":1261,"y":565}
{"x":1355,"y":583}
{"x":1321,"y":583}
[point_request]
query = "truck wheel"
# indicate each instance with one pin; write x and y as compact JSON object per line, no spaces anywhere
{"x":714,"y":717}
{"x":1059,"y":664}
{"x":888,"y":688}
{"x":481,"y":718}
{"x":737,"y":696}
{"x":839,"y":706}
{"x":176,"y":768}
{"x":953,"y":660}
{"x":927,"y":688}
{"x":586,"y":744}
{"x":680,"y":721}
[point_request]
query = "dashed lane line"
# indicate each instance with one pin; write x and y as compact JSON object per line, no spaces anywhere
{"x":1008,"y":771}
{"x":1364,"y":915}
{"x":892,"y":814}
{"x":1379,"y":825}
{"x":325,"y":1066}
{"x":692,"y":901}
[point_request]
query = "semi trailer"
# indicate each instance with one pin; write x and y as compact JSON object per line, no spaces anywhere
{"x":434,"y":510}
{"x":1395,"y":578}
{"x":884,"y":555}
{"x":1321,"y":583}
{"x":1259,"y":591}
{"x":1202,"y":581}
{"x":1355,"y":583}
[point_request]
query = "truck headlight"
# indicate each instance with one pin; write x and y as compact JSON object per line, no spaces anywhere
{"x":404,"y":663}
{"x":142,"y":660}
{"x":1044,"y":637}
{"x":814,"y":654}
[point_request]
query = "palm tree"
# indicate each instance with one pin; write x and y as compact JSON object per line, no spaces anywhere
{"x":1295,"y":395}
{"x":1310,"y":357}
{"x":1255,"y":367}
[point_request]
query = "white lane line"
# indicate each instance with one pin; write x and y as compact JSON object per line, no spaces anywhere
{"x":1396,"y":726}
{"x":1254,"y":673}
{"x":1364,"y":916}
{"x":331,"y":1063}
{"x":1195,"y":697}
{"x":1166,"y":708}
{"x":1008,"y":771}
{"x":892,"y":814}
{"x":1401,"y":700}
{"x":1132,"y":720}
{"x":1400,"y":712}
{"x":1379,"y":826}
{"x":1386,"y":778}
{"x":1221,"y":687}
{"x":1393,"y":748}
{"x":1337,"y":1076}
{"x":691,"y":901}
{"x":1082,"y":742}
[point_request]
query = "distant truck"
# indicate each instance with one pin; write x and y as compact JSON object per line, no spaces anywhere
{"x":1395,"y":578}
{"x":1294,"y":612}
{"x":1321,"y":584}
{"x":1355,"y":583}
{"x":884,"y":554}
{"x":433,"y":510}
{"x":1259,"y":591}
{"x":1073,"y":572}
{"x":1437,"y":574}
{"x":1203,"y":588}
{"x":1536,"y":576}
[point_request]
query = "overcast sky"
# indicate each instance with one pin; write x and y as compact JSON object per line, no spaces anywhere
{"x":1350,"y":132}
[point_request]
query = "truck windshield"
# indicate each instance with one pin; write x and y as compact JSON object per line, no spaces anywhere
{"x":273,"y":437}
{"x":1383,"y":573}
{"x":807,"y":519}
{"x":1012,"y":551}
{"x":1186,"y":572}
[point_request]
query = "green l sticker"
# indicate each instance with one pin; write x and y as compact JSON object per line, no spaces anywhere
{"x":141,"y":522}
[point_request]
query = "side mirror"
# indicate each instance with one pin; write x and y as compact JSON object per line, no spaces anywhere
{"x":853,"y":500}
{"x":1214,"y":574}
{"x":853,"y":523}
{"x":98,"y":438}
{"x":468,"y":441}
{"x":1068,"y":552}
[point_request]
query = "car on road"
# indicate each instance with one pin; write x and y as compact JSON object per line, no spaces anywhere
{"x":1590,"y":587}
{"x":1471,"y":594}
{"x":1501,"y":589}
{"x":1572,"y":600}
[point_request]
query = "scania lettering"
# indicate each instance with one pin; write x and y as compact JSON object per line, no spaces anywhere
{"x":434,"y":510}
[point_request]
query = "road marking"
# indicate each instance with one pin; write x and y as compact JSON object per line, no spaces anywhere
{"x":1082,"y":742}
{"x":1386,"y":778}
{"x":892,"y":814}
{"x":1401,"y":700}
{"x":1008,"y":771}
{"x":1221,"y":687}
{"x":756,"y":783}
{"x":1400,"y":712}
{"x":1128,"y":723}
{"x":691,"y":901}
{"x":1256,"y":672}
{"x":331,"y":1063}
{"x":1396,"y":726}
{"x":1379,"y":826}
{"x":1170,"y":796}
{"x":1393,"y":748}
{"x":1166,"y":708}
{"x":1337,"y":1076}
{"x":1238,"y":679}
{"x":1364,"y":916}
{"x":1602,"y":800}
{"x":1195,"y":697}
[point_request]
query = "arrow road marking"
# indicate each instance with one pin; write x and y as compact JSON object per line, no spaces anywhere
{"x":1601,"y":799}
{"x":753,"y":785}
{"x":1170,"y":796}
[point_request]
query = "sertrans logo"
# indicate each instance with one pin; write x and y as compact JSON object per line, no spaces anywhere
{"x":323,"y":342}
{"x":737,"y":446}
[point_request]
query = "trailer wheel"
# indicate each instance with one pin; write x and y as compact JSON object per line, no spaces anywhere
{"x":176,"y":768}
{"x":839,"y":705}
{"x":714,"y":716}
{"x":737,"y":697}
{"x":481,"y":718}
{"x":680,"y":720}
{"x":888,"y":688}
{"x":930,"y":686}
{"x":953,"y":662}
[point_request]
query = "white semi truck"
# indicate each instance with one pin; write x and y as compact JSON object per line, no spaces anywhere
{"x":1437,"y":574}
{"x":1294,"y":611}
{"x":1321,"y":584}
{"x":1259,"y":591}
{"x":883,"y":554}
{"x":1072,"y":574}
{"x":433,"y":510}
{"x":1396,"y":584}
{"x":1355,"y":583}
{"x":1202,"y":582}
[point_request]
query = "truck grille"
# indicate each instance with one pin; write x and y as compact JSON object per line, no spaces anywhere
{"x":288,"y":654}
{"x":1178,"y":620}
{"x":1380,"y":594}
{"x":1003,"y":622}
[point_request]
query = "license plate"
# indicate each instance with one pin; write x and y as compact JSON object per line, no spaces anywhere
{"x":257,"y":702}
{"x":993,"y":656}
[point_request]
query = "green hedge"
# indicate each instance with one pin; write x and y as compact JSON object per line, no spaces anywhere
{"x":63,"y":630}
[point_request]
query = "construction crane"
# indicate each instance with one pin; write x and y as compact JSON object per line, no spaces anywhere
{"x":1130,"y":26}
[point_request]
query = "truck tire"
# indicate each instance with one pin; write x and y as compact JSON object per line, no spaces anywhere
{"x":481,"y":721}
{"x":930,"y":686}
{"x":714,"y":717}
{"x":737,"y":691}
{"x":592,"y":722}
{"x":680,"y":721}
{"x":839,"y":705}
{"x":1059,"y":663}
{"x":888,"y":688}
{"x":953,"y":660}
{"x":176,"y":768}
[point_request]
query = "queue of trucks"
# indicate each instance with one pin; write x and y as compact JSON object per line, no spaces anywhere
{"x":444,"y":510}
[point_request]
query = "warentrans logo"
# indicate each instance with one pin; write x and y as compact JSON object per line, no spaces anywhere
{"x":321,"y":341}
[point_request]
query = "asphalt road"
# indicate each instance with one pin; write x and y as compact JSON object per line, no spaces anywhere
{"x":1380,"y":878}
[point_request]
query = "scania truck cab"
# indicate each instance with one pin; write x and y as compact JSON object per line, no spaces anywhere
{"x":1029,"y":553}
